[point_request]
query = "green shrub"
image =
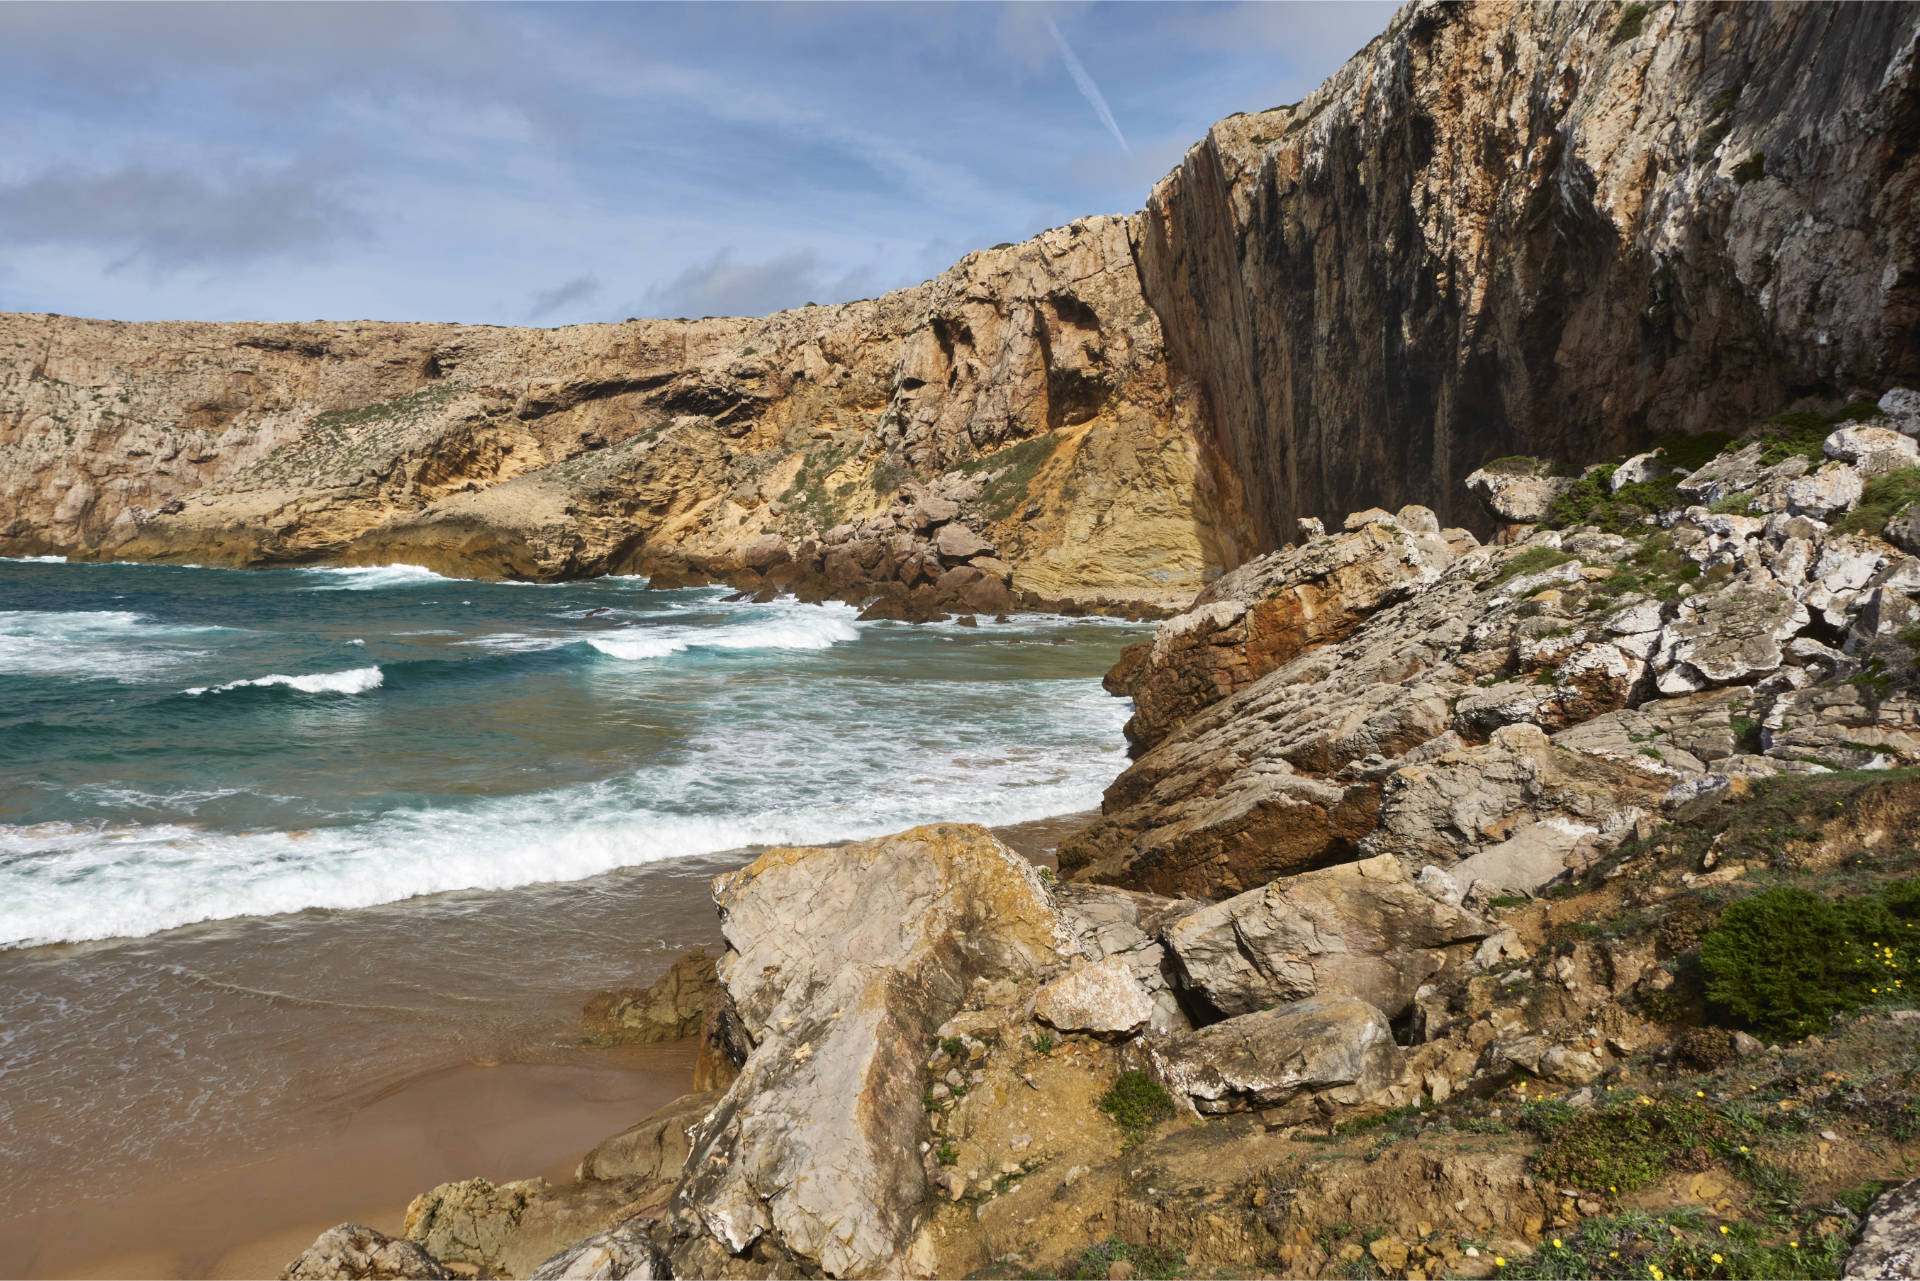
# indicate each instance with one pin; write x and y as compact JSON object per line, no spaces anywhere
{"x":1805,"y":431}
{"x":1886,"y":496}
{"x":1785,"y":961}
{"x":1750,"y":169}
{"x":1693,"y":450}
{"x":1136,"y":1103}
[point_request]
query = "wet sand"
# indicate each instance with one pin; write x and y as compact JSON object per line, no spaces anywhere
{"x":506,"y":1122}
{"x":334,"y":1065}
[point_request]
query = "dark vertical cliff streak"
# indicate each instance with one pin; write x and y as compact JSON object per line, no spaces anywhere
{"x":1502,"y":229}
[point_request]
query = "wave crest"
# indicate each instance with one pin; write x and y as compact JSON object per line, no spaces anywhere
{"x":357,"y":680}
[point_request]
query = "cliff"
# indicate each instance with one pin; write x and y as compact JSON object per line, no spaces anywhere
{"x":1502,"y":228}
{"x":1022,"y":396}
{"x":1547,"y":229}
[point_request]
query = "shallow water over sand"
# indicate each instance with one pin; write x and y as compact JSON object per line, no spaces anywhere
{"x":326,"y":845}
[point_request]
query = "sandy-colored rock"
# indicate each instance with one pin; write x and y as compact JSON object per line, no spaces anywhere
{"x":1872,"y":449}
{"x":470,"y":1221}
{"x":1518,"y":490}
{"x":718,"y":446}
{"x":1103,"y":998}
{"x":1364,"y":930}
{"x":654,"y":1147}
{"x":667,"y":1011}
{"x":845,"y":963}
{"x":353,"y":1252}
{"x":1889,"y":1244}
{"x":1462,"y":802}
{"x":1268,"y":612}
{"x":1318,"y":1055}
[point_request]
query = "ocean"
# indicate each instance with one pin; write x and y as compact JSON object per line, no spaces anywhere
{"x":275,"y":844}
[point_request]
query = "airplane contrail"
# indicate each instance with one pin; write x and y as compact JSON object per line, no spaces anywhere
{"x":1088,"y":88}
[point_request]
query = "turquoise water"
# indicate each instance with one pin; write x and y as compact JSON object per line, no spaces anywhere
{"x":274,"y":843}
{"x":182,"y":744}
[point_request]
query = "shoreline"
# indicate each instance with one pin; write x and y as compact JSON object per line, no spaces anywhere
{"x":208,"y":1217}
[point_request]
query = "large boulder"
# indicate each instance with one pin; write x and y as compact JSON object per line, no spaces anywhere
{"x":1518,"y":491}
{"x":1269,"y":611}
{"x":672,"y":1008}
{"x":1729,"y":637}
{"x":624,"y":1253}
{"x":1889,"y":1245}
{"x":355,"y":1252}
{"x":654,"y":1147}
{"x":1321,"y":1055}
{"x":470,"y":1221}
{"x":1363,"y":930}
{"x":844,"y":963}
{"x":1461,"y":802}
{"x":1102,"y":998}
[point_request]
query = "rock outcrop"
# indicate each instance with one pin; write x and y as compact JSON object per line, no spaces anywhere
{"x":1287,"y":1060}
{"x":1889,"y":1246}
{"x":813,"y":1154}
{"x":1500,"y":229}
{"x":1552,"y":230}
{"x":1364,"y":930}
{"x":671,"y":1009}
{"x":354,"y":1252}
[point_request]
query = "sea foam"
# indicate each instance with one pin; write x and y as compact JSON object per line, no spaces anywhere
{"x":361,"y":578}
{"x":102,"y":644}
{"x":820,"y":627}
{"x":355,"y":681}
{"x":886,"y":762}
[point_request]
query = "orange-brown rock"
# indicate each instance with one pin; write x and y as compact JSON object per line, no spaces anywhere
{"x":1270,"y":611}
{"x":1020,"y":400}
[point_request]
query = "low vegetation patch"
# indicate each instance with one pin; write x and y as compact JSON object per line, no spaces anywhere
{"x":1804,"y":432}
{"x":1532,"y":561}
{"x":1008,"y":472}
{"x":1785,"y":961}
{"x":1627,"y":1145}
{"x":1137,"y":1103}
{"x":1886,"y":496}
{"x":1149,"y":1262}
{"x":1633,"y":19}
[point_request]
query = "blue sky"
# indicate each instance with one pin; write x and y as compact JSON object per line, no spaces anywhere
{"x":551,"y":164}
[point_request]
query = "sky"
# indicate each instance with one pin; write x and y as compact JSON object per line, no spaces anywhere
{"x":559,"y":163}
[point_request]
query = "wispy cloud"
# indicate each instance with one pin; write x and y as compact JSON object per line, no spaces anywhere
{"x":547,"y":301}
{"x":1088,"y":89}
{"x":166,"y":219}
{"x":299,"y":160}
{"x":722,"y":286}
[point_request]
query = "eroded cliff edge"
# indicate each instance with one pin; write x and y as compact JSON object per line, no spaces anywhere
{"x":1557,"y":230}
{"x":1009,"y":427}
{"x":1545,"y":229}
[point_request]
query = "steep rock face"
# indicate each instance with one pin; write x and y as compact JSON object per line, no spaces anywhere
{"x":1547,"y":229}
{"x":1023,"y":393}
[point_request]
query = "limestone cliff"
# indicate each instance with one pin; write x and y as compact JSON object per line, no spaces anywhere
{"x":1021,"y":396}
{"x":1549,"y":229}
